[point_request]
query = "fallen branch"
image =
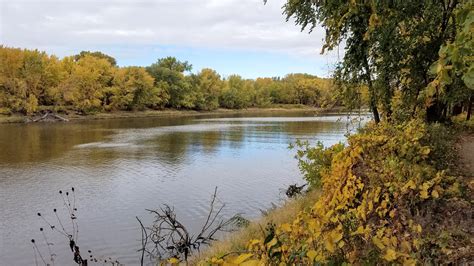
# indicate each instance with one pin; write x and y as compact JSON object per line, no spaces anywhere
{"x":50,"y":115}
{"x":168,"y":238}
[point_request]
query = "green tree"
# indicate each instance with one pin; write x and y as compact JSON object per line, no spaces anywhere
{"x":237,"y":93}
{"x":171,"y":71}
{"x":97,"y":54}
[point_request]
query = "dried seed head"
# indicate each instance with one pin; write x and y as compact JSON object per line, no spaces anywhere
{"x":60,"y":192}
{"x":39,"y":214}
{"x":32,"y":241}
{"x":54,"y":210}
{"x":72,"y":188}
{"x":41,"y":229}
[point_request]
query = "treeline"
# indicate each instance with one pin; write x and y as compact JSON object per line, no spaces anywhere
{"x":92,"y":82}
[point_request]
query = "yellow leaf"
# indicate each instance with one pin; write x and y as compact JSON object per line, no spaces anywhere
{"x":390,"y":255}
{"x":311,"y":255}
{"x":173,"y":260}
{"x":424,"y":194}
{"x":406,"y":247}
{"x":392,"y":213}
{"x":378,"y":243}
{"x":426,"y":151}
{"x":386,"y":241}
{"x":273,"y":242}
{"x":409,"y":262}
{"x":435,"y":194}
{"x":251,"y":263}
{"x":359,"y":231}
{"x":286,"y":227}
{"x":329,"y":244}
{"x":341,"y":244}
{"x":409,"y":185}
{"x":254,"y":242}
{"x":418,"y":228}
{"x":242,"y":257}
{"x":416,"y":243}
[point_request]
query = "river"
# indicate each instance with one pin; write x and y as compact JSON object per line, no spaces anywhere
{"x":120,"y":167}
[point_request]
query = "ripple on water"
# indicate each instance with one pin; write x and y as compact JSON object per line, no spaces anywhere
{"x":142,"y":164}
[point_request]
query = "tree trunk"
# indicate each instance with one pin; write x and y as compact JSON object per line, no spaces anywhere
{"x":469,"y":108}
{"x":373,"y":101}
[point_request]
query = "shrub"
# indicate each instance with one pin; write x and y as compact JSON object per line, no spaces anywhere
{"x":315,"y":161}
{"x":382,"y":201}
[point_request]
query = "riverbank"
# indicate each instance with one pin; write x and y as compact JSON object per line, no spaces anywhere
{"x":19,"y":118}
{"x":237,"y":241}
{"x":440,"y":186}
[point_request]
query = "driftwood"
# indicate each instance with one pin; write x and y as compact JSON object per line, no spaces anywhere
{"x":49,"y":116}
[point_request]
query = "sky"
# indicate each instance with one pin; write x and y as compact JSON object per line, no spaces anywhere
{"x":242,"y":37}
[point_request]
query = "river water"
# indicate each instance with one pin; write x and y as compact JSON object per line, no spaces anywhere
{"x":121,"y":167}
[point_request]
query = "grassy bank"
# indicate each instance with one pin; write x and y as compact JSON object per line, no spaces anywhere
{"x":237,"y":242}
{"x":291,"y":108}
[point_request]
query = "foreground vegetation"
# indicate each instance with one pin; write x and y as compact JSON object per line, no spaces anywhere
{"x":389,"y":196}
{"x":91,"y":82}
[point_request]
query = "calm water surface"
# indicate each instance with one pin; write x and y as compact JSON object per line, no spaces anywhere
{"x":121,"y":167}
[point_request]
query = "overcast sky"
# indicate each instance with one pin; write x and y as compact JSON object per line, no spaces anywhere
{"x":244,"y":37}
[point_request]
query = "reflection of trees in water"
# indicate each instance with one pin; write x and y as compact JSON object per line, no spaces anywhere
{"x":175,"y":148}
{"x":208,"y":141}
{"x":36,"y":143}
{"x":171,"y":148}
{"x":41,"y":142}
{"x":311,"y":128}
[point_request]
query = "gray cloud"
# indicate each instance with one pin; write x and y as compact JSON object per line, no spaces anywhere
{"x":246,"y":25}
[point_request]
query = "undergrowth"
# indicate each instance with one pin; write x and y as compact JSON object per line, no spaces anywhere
{"x":387,"y":197}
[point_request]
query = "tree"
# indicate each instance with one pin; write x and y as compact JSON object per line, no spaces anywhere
{"x":25,"y":78}
{"x":97,"y":54}
{"x":207,"y":86}
{"x":134,"y":88}
{"x":302,"y":89}
{"x":391,"y":56}
{"x":31,"y":80}
{"x":455,"y":62}
{"x":263,"y":89}
{"x":237,"y":93}
{"x":13,"y":88}
{"x":171,"y":71}
{"x":85,"y":86}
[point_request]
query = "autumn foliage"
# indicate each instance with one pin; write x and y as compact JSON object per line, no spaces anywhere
{"x":91,"y":82}
{"x":382,"y":201}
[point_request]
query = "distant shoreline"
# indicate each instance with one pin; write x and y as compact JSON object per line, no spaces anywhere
{"x":19,"y":118}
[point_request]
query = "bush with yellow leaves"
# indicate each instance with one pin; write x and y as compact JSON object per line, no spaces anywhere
{"x":381,"y":201}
